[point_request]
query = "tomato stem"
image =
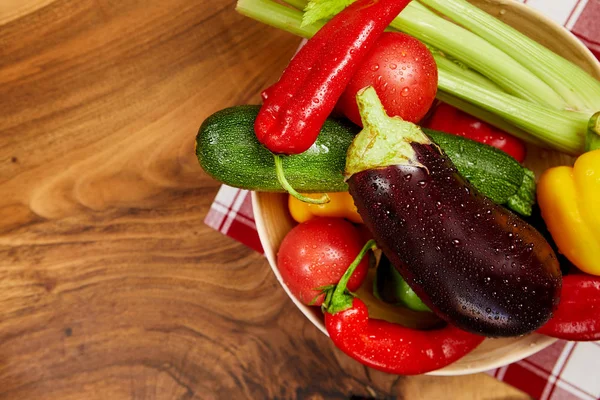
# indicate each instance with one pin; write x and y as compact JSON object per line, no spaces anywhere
{"x":340,"y":300}
{"x":286,"y":185}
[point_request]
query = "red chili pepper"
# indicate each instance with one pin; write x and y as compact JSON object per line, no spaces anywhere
{"x":578,"y":314}
{"x":387,"y":346}
{"x":296,"y":107}
{"x":393,"y":348}
{"x":448,"y":119}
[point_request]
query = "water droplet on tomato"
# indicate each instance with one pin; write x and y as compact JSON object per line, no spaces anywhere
{"x":375,"y":67}
{"x":405,"y":92}
{"x":393,"y":66}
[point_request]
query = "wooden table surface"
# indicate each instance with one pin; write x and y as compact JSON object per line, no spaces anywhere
{"x":111,"y":286}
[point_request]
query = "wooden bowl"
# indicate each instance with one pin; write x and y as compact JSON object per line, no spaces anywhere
{"x":273,"y":220}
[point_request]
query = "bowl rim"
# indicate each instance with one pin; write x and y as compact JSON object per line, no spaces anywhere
{"x":540,"y":341}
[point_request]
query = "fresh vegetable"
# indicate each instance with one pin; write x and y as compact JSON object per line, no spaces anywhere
{"x":472,"y":262}
{"x":569,"y":198}
{"x":516,"y":100}
{"x":228,"y":150}
{"x":578,"y":314}
{"x":296,"y":107}
{"x":341,"y":205}
{"x":315,"y":255}
{"x":393,"y":348}
{"x":448,"y":119}
{"x":390,"y":347}
{"x":493,"y":173}
{"x":402,"y":71}
{"x":560,"y":130}
{"x":390,"y":287}
{"x":576,"y":87}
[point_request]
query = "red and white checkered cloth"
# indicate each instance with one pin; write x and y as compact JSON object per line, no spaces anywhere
{"x":563,"y":371}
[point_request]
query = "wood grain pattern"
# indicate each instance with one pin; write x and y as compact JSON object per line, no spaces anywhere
{"x":111,"y":287}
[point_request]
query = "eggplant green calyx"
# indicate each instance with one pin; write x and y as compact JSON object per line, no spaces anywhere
{"x":384,"y":140}
{"x":592,"y":140}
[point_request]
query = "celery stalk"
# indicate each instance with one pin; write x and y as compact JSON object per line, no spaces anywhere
{"x":477,"y":54}
{"x":489,"y":117}
{"x":462,"y":72}
{"x":562,"y":130}
{"x":278,"y":16}
{"x":299,"y":4}
{"x":577,"y":87}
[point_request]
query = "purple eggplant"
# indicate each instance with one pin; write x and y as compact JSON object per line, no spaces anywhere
{"x":475,"y":264}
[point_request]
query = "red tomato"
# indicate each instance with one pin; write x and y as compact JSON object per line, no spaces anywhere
{"x":316,"y":253}
{"x":451,"y":120}
{"x":403,"y":73}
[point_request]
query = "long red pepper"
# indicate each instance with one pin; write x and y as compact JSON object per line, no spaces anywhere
{"x":393,"y":348}
{"x":387,"y":346}
{"x":296,"y":107}
{"x":578,"y":314}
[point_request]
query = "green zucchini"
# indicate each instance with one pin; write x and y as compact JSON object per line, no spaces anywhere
{"x":228,"y":150}
{"x":493,"y":172}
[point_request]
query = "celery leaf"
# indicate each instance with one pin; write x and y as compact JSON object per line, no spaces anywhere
{"x":318,"y":10}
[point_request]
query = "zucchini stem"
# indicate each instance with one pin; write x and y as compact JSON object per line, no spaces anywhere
{"x":286,"y":185}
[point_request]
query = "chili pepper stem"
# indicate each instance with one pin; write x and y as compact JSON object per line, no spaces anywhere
{"x":286,"y":185}
{"x":592,"y":140}
{"x":326,"y":290}
{"x":340,"y":300}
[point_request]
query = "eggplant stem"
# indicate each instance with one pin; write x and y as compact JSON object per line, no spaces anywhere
{"x":288,"y":188}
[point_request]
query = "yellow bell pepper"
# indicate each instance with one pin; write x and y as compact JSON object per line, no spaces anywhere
{"x":341,"y":205}
{"x":570,"y":202}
